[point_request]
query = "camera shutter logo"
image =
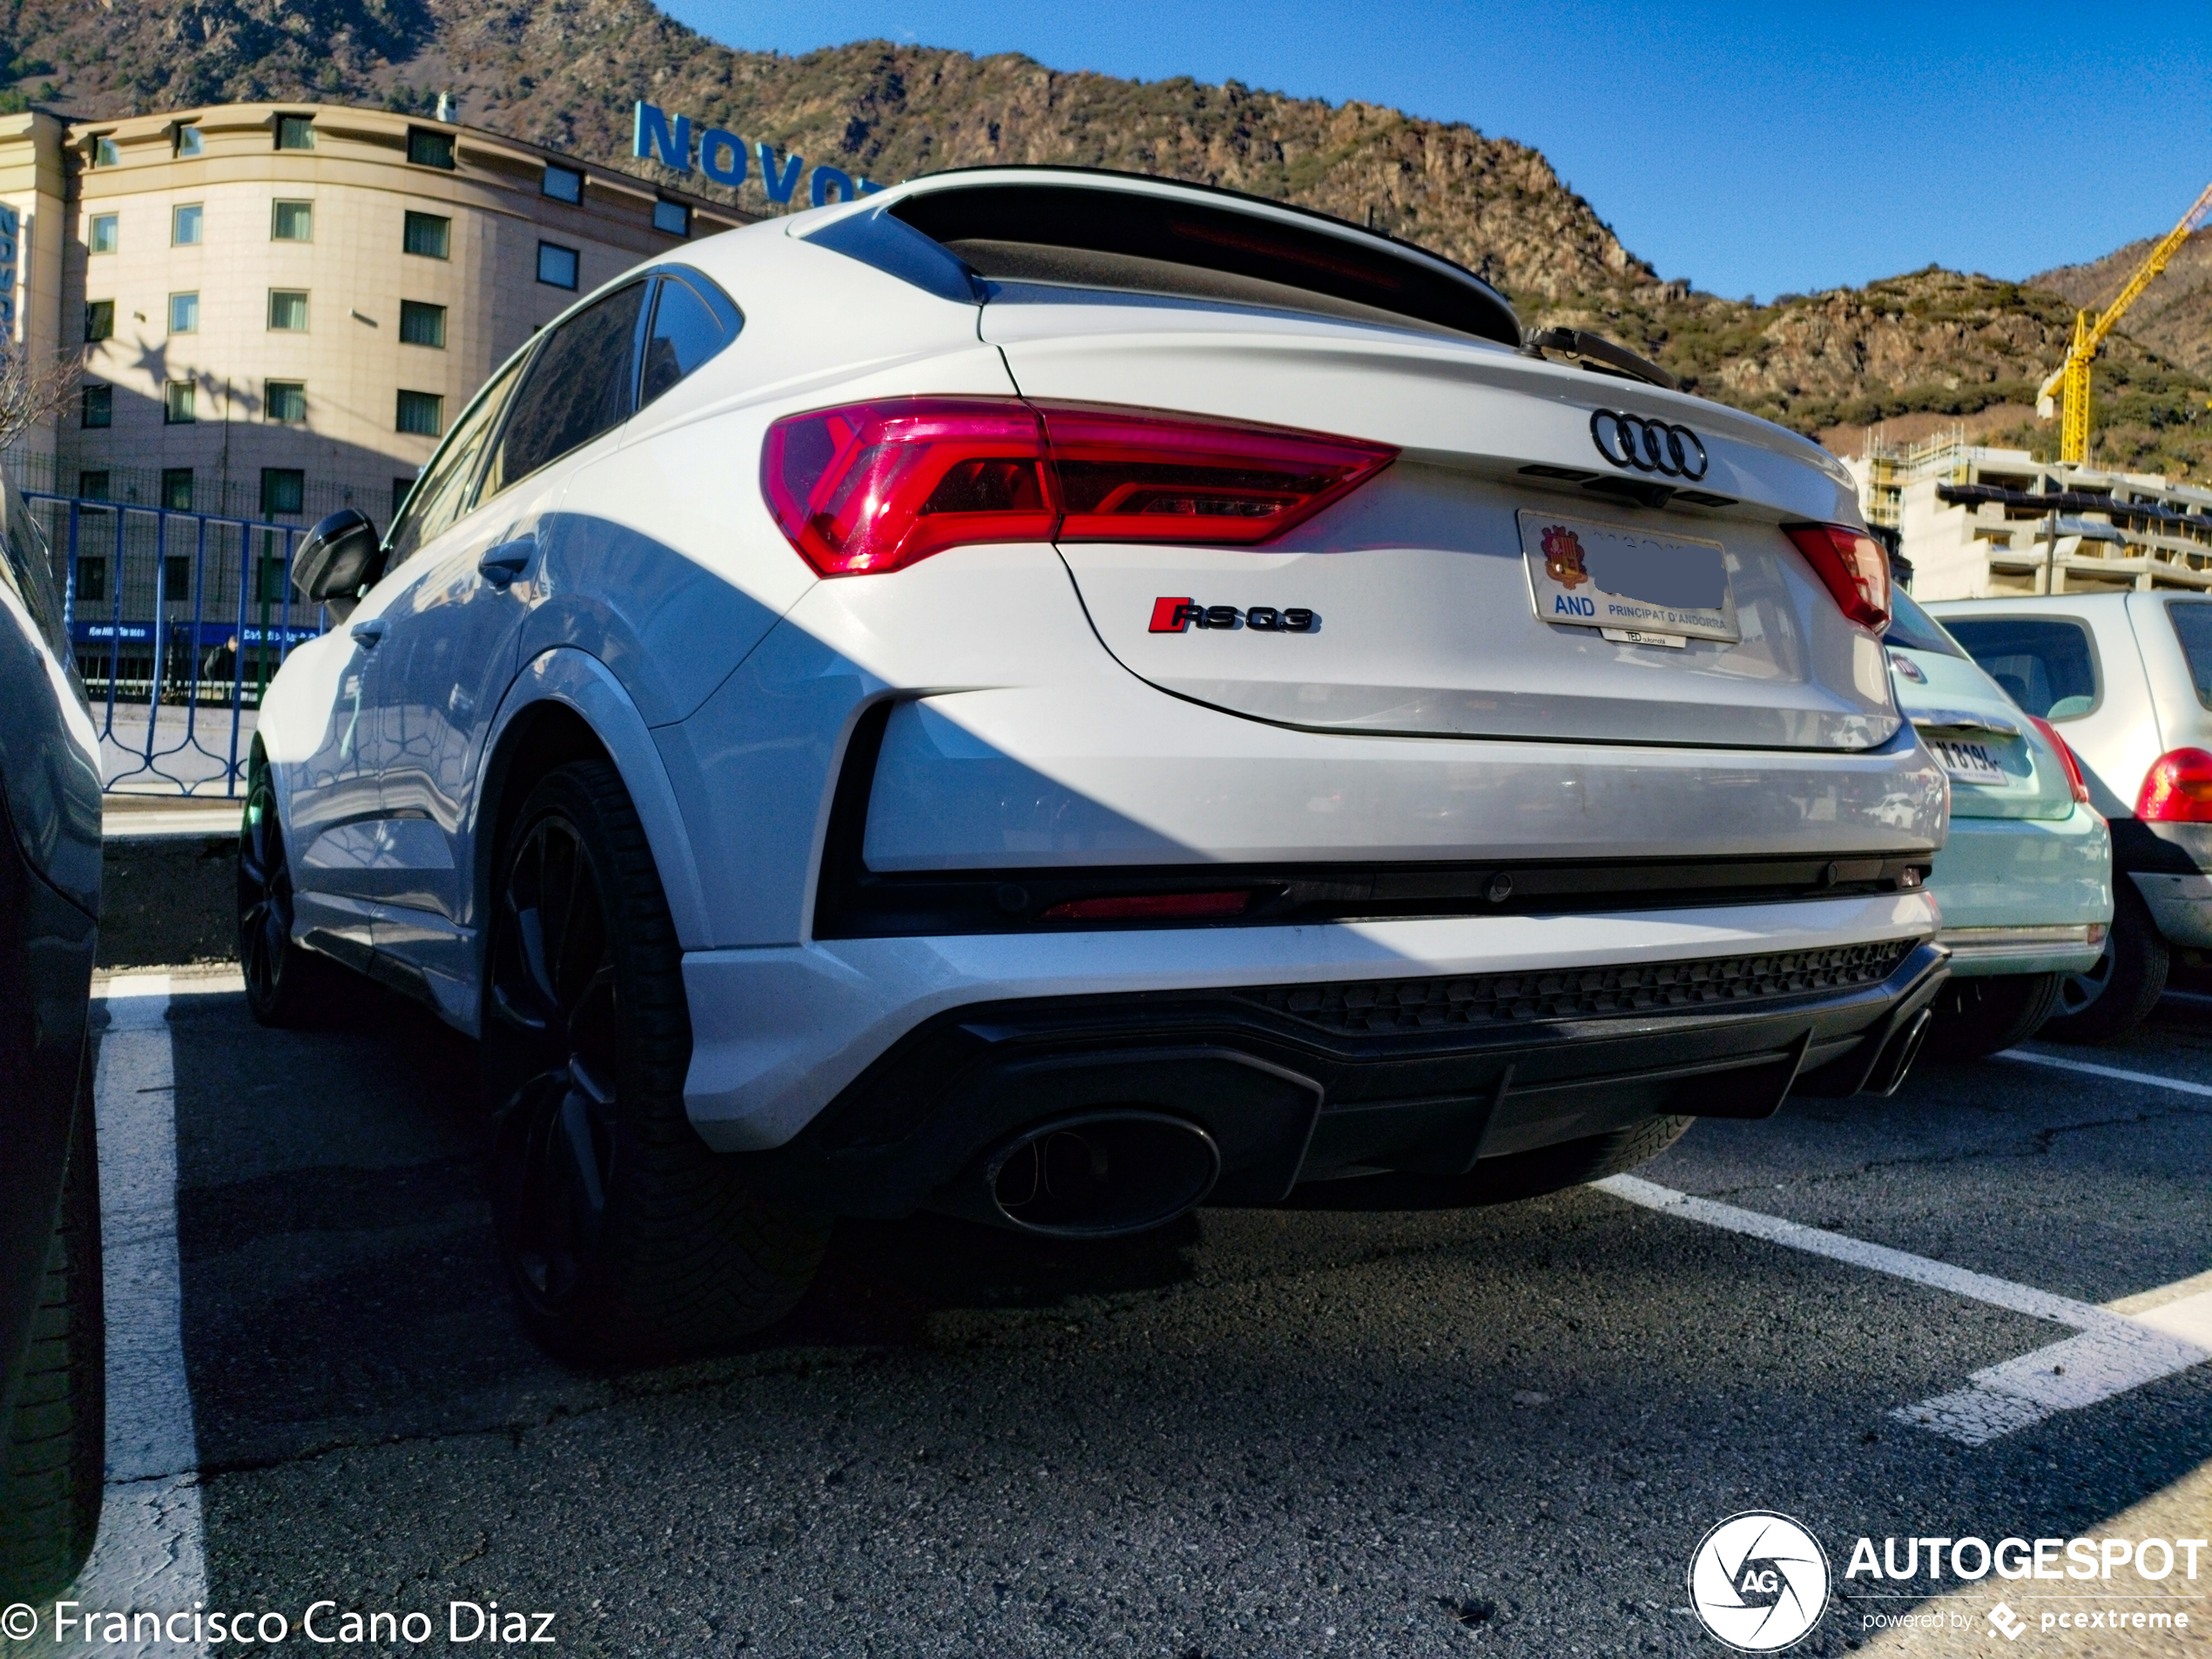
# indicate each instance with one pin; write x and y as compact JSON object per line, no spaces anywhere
{"x":1759,"y":1581}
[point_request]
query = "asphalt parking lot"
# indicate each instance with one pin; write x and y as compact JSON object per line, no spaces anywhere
{"x":1257,"y":1433}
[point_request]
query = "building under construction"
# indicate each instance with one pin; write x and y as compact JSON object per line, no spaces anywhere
{"x":1974,"y":523}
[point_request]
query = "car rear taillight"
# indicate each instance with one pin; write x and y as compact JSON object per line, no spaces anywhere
{"x":1126,"y":476}
{"x":1853,"y":565}
{"x":874,"y":486}
{"x":2065,"y":756}
{"x":2177,"y":789}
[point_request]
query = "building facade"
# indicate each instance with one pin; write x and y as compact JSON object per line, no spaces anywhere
{"x":1976,"y":523}
{"x":281,"y":307}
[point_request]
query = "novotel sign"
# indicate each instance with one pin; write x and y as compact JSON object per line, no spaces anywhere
{"x":724,"y":157}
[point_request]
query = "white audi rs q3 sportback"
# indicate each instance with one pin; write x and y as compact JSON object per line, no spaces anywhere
{"x":1058,"y":696}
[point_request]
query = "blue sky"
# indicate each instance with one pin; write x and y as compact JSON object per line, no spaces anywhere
{"x":1755,"y":149}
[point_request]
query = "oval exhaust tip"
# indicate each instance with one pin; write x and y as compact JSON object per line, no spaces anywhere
{"x":1101,"y":1174}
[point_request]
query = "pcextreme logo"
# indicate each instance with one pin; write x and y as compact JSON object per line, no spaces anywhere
{"x":1759,"y":1581}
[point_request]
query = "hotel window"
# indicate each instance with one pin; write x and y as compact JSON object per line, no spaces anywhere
{"x":293,"y":222}
{"x":285,"y":401}
{"x":671,"y":218}
{"x":421,"y":324}
{"x":562,"y":183}
{"x":176,"y":568}
{"x":428,"y":236}
{"x":287,"y":310}
{"x":423,"y":414}
{"x":176,"y":496}
{"x":100,"y":319}
{"x":104,"y":234}
{"x":180,"y":404}
{"x":429,"y":149}
{"x":186,"y":225}
{"x":183,"y":313}
{"x":98,"y":406}
{"x":556,"y":266}
{"x":190,"y":142}
{"x":105,"y":154}
{"x":295,"y":132}
{"x":284,"y":490}
{"x":93,"y":486}
{"x":92,"y":574}
{"x":400,"y":487}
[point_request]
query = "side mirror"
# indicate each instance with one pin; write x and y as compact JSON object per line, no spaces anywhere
{"x":341,"y":552}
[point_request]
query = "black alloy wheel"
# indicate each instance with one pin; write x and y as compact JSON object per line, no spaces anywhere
{"x":553,"y":1010}
{"x":623,"y":1235}
{"x":281,"y":979}
{"x":2117,"y":993}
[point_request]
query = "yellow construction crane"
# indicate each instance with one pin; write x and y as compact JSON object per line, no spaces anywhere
{"x":2071,"y":379}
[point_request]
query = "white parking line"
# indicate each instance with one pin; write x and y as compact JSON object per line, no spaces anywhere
{"x":2030,"y":1057}
{"x":149,"y":1556}
{"x":2155,"y":1337}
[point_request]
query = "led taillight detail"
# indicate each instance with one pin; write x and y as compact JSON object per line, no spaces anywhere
{"x":1149,"y":906}
{"x":2074,"y":776}
{"x":1852,"y":565}
{"x":2177,"y":789}
{"x":1128,"y":476}
{"x":874,"y":487}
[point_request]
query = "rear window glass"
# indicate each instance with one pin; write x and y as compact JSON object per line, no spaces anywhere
{"x":1134,"y":241}
{"x":2193,"y":625}
{"x":2046,"y":664}
{"x":1913,"y":629}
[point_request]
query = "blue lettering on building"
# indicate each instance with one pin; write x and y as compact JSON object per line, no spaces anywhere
{"x":721,"y":155}
{"x":10,"y":237}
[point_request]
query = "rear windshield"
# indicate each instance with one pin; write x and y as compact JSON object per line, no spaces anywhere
{"x":1133,"y":241}
{"x":2192,"y":624}
{"x":2046,"y":664}
{"x":1913,"y":629}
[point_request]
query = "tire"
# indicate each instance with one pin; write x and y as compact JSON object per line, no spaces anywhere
{"x":56,"y":1440}
{"x":285,"y":985}
{"x":1503,"y":1180}
{"x":624,"y":1236}
{"x":1975,"y":1018}
{"x":2116,"y":995}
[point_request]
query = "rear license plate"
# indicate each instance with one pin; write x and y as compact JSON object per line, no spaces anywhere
{"x":1583,"y":573}
{"x":1969,"y":763}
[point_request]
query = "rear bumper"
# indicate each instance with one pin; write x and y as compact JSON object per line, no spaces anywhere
{"x":2023,"y":895}
{"x":2171,"y":866}
{"x":1307,"y":1083}
{"x":778,"y":1033}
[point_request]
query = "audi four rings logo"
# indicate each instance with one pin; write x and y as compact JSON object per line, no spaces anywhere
{"x":1648,"y":445}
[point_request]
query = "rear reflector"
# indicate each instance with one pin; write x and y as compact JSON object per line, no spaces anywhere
{"x":2073,"y":767}
{"x":875,"y":486}
{"x":2177,"y":789}
{"x":1149,"y":906}
{"x":1852,"y":565}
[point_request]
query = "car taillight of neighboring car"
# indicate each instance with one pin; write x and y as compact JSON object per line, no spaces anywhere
{"x":2177,"y":789}
{"x":1852,"y":565}
{"x":874,"y":486}
{"x":2074,"y":776}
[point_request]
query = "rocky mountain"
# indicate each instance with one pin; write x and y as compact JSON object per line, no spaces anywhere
{"x":2173,"y":317}
{"x":1928,"y":347}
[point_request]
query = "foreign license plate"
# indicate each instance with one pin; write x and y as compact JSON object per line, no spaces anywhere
{"x":1637,"y":586}
{"x":1969,"y":763}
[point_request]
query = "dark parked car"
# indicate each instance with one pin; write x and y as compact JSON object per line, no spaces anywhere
{"x":53,"y":1417}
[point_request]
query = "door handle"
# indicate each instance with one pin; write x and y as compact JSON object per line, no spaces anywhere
{"x":501,"y":566}
{"x":368,"y":635}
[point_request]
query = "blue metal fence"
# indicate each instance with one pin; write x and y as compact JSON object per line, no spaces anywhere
{"x":179,"y":621}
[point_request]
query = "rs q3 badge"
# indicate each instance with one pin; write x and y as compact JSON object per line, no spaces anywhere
{"x":1179,"y":616}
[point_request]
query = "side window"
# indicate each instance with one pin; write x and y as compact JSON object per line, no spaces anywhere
{"x":439,"y":495}
{"x":579,"y":385}
{"x":2046,"y":665}
{"x":688,"y":328}
{"x":2192,"y":620}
